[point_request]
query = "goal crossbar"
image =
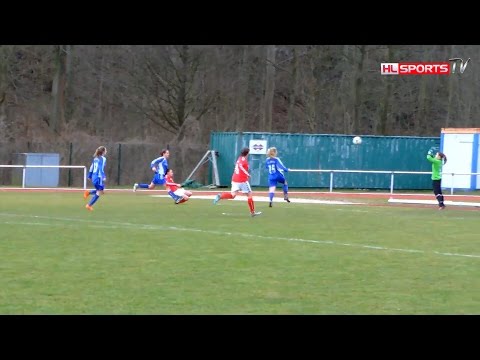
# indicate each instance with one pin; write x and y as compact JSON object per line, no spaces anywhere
{"x":25,"y":167}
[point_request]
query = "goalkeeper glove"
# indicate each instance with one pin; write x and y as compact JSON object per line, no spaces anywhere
{"x":433,"y":151}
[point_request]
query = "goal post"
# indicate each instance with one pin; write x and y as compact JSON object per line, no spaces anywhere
{"x":210,"y":156}
{"x":15,"y":175}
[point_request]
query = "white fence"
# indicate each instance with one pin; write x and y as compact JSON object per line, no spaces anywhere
{"x":25,"y":167}
{"x":332,"y":173}
{"x":392,"y":175}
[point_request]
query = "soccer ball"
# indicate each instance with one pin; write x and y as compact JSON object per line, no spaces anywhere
{"x":357,"y":140}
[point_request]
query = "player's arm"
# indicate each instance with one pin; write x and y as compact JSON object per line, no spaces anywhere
{"x":281,"y":166}
{"x":434,"y":160}
{"x":102,"y":169}
{"x":90,"y":172}
{"x":241,"y":168}
{"x":169,"y":182}
{"x":431,"y":157}
{"x":155,"y":163}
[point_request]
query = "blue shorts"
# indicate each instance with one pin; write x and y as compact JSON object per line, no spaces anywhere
{"x":275,"y":180}
{"x":158,"y":180}
{"x":98,"y":183}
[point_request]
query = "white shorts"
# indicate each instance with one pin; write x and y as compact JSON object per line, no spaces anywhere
{"x":179,"y":192}
{"x":244,"y":187}
{"x":182,"y":192}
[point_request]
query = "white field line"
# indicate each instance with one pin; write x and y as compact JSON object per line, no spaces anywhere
{"x":434,"y":202}
{"x":267,"y":199}
{"x":216,"y":191}
{"x":112,"y":224}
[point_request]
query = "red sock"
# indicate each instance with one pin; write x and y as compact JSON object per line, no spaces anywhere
{"x":182,"y":201}
{"x":226,"y":195}
{"x":251,"y":205}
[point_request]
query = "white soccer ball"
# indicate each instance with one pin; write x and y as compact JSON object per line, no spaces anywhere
{"x":357,"y":140}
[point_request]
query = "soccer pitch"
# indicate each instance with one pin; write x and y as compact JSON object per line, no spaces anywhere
{"x":139,"y":254}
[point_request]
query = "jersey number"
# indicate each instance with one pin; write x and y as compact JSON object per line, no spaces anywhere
{"x":272,"y":169}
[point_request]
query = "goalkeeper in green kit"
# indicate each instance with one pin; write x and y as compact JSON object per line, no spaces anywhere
{"x":438,"y":159}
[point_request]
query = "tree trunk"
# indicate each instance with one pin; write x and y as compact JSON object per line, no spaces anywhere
{"x":69,"y":101}
{"x":425,"y":99}
{"x":182,"y":92}
{"x":100,"y":118}
{"x":243,"y":93}
{"x":58,"y":91}
{"x":358,"y":88}
{"x":310,"y":114}
{"x":450,"y":93}
{"x":269,"y":87}
{"x":5,"y":129}
{"x":382,"y":128}
{"x":293,"y":92}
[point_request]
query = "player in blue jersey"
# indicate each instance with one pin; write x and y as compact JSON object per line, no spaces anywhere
{"x":275,"y":170}
{"x":96,"y":174}
{"x":159,"y":166}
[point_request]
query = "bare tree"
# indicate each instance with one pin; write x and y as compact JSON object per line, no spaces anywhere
{"x":294,"y":90}
{"x":269,"y":87}
{"x":57,"y":118}
{"x":243,"y":77}
{"x":167,"y":87}
{"x":382,"y":126}
{"x":6,"y":124}
{"x":358,"y":88}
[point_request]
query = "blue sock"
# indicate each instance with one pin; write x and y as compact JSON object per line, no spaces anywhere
{"x":285,"y":189}
{"x":94,"y":200}
{"x":92,"y":192}
{"x":143,"y":186}
{"x":271,"y":196}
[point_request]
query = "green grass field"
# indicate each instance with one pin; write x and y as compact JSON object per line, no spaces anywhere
{"x":137,"y":254}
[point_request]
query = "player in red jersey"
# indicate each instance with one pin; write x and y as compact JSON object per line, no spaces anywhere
{"x":240,"y":183}
{"x":179,"y":195}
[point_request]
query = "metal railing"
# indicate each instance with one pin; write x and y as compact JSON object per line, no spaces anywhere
{"x":392,"y":175}
{"x":25,"y":167}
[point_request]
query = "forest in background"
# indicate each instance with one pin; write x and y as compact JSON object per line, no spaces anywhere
{"x":176,"y":95}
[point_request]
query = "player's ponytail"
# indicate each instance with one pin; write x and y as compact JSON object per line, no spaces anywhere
{"x":100,"y":151}
{"x":443,"y":156}
{"x":272,"y":152}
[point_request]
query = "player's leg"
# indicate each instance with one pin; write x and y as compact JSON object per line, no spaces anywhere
{"x":87,"y":193}
{"x":175,"y":198}
{"x":437,"y":190}
{"x":144,"y":186}
{"x":227,"y":195}
{"x":185,"y":195}
{"x":247,"y":190}
{"x":283,"y":181}
{"x":157,"y":181}
{"x":151,"y":186}
{"x":181,"y":197}
{"x":271,"y":190}
{"x":147,"y":186}
{"x":99,"y":191}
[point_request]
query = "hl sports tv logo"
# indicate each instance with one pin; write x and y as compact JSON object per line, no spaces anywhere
{"x":425,"y":68}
